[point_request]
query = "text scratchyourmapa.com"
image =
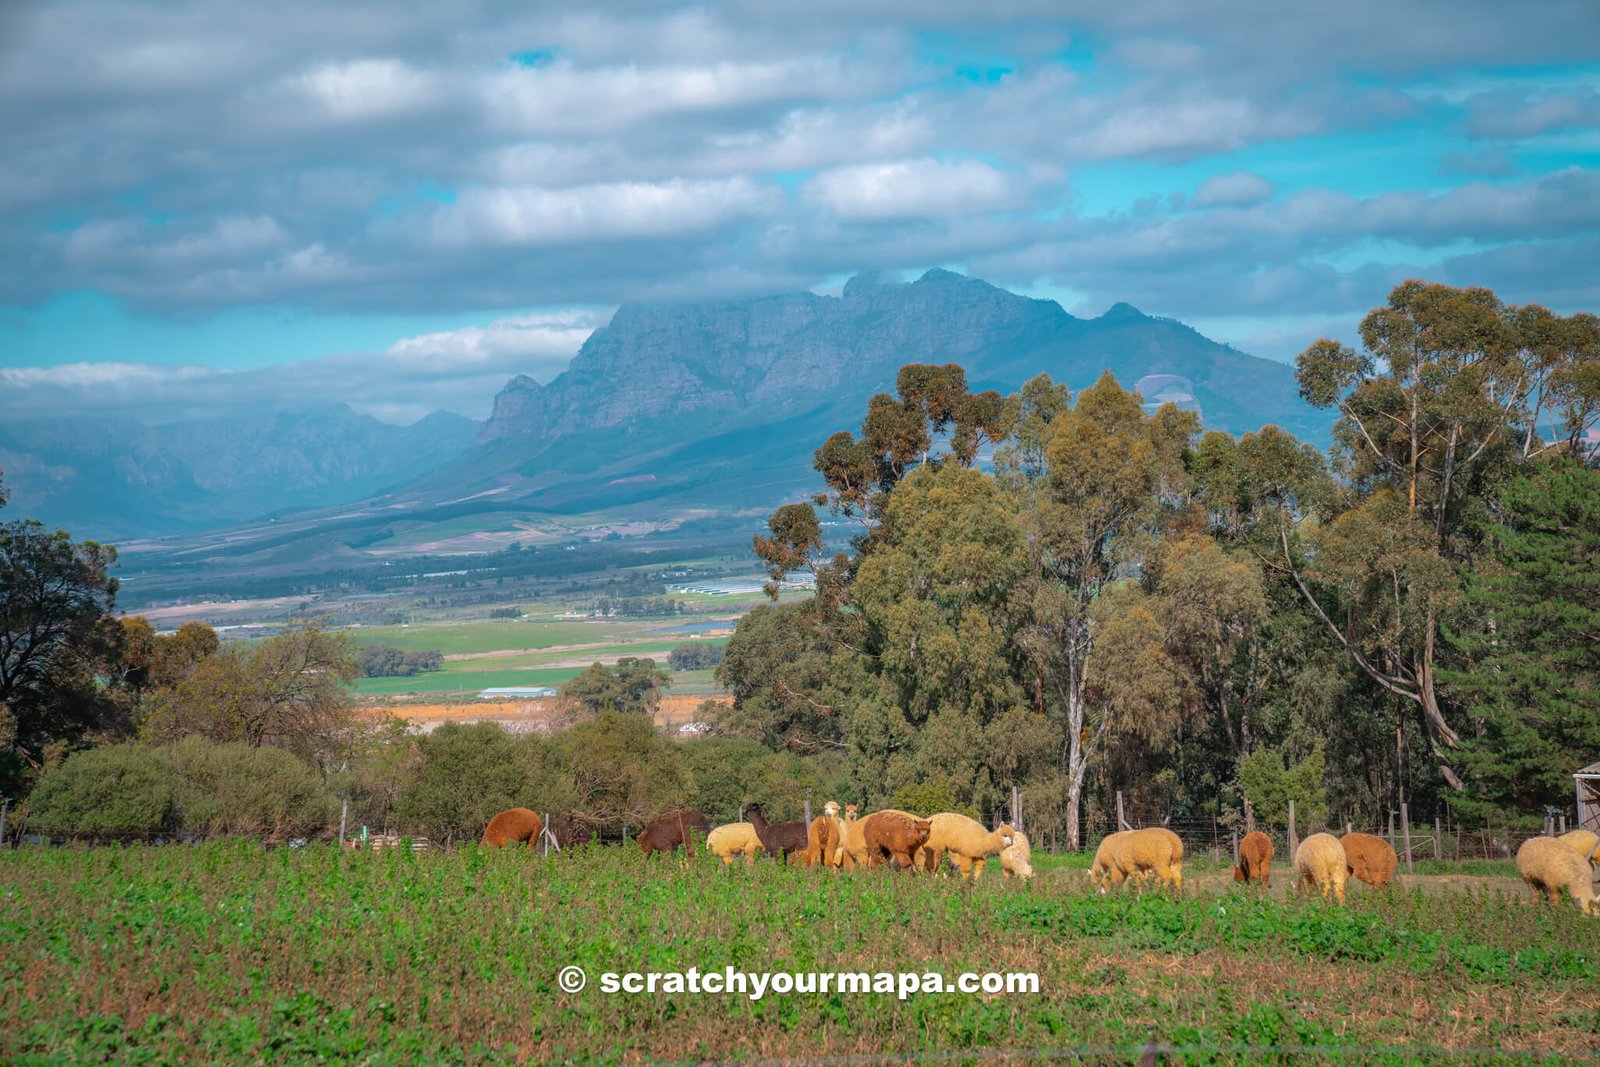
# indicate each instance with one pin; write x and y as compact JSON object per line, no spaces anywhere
{"x":758,"y":984}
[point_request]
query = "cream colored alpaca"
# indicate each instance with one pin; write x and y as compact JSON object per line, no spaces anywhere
{"x":1137,"y":854}
{"x":1549,"y":866}
{"x":1016,"y":859}
{"x":733,"y":839}
{"x":968,"y":844}
{"x":1321,"y":861}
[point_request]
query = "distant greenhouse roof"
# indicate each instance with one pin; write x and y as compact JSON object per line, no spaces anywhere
{"x":517,"y":691}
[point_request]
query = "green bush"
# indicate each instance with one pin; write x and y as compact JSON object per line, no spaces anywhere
{"x":927,"y":799}
{"x":115,"y":791}
{"x":232,"y":788}
{"x":465,"y":774}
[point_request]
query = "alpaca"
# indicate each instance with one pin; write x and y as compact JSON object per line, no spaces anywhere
{"x":894,"y":835}
{"x":823,"y":838}
{"x":513,"y":826}
{"x":967,"y":842}
{"x":571,"y":829}
{"x":1587,"y":842}
{"x":1016,"y":859}
{"x":673,"y":829}
{"x":1255,"y":859}
{"x":783,"y":840}
{"x":1549,"y":866}
{"x":1321,"y":862}
{"x":1137,"y":854}
{"x":1370,"y":859}
{"x":733,"y":839}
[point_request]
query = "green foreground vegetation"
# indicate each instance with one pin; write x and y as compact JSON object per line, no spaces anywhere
{"x":228,"y":953}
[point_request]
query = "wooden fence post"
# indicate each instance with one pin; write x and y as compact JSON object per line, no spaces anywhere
{"x":1236,"y":848}
{"x":5,"y":809}
{"x":1122,"y":822}
{"x":1349,"y":827}
{"x":1294,"y":843}
{"x":1438,"y":839}
{"x":344,"y":813}
{"x":808,"y":807}
{"x":1016,"y":810}
{"x":1405,"y":828}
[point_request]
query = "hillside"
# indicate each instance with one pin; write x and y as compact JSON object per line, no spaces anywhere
{"x":669,"y":413}
{"x":121,"y":478}
{"x":724,"y":401}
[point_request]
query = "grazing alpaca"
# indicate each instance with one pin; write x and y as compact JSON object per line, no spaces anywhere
{"x":673,"y":829}
{"x":1016,"y":859}
{"x":1255,"y":859}
{"x":967,"y":842}
{"x":1549,"y":866}
{"x":1321,"y":862}
{"x":1137,"y":854}
{"x":779,"y":839}
{"x":513,"y":826}
{"x":571,"y":829}
{"x":1370,"y":859}
{"x":823,"y":838}
{"x":734,"y":839}
{"x":894,"y":835}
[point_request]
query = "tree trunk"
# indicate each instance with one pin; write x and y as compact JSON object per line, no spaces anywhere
{"x":1077,"y":766}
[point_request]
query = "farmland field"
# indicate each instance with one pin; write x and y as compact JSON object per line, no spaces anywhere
{"x":226,"y":952}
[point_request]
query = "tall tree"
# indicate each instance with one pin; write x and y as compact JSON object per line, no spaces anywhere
{"x":1531,"y":679}
{"x":56,"y":596}
{"x":1108,"y":463}
{"x":1445,"y":399}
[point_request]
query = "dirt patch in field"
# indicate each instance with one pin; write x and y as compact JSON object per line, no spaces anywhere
{"x":542,"y":715}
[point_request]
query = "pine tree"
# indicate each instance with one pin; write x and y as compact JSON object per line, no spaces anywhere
{"x":1532,"y":673}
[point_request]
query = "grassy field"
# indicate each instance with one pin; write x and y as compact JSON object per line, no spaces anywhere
{"x":226,"y":953}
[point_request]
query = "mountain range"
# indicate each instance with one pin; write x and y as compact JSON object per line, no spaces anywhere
{"x":684,"y":406}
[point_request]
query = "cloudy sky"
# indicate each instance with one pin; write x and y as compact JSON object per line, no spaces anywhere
{"x":216,"y":203}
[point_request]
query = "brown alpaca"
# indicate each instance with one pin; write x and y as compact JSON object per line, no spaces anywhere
{"x":673,"y":829}
{"x":822,"y":840}
{"x":571,"y":829}
{"x":783,"y":839}
{"x":1255,"y":859}
{"x":1370,"y":859}
{"x":894,"y":835}
{"x":514,"y":826}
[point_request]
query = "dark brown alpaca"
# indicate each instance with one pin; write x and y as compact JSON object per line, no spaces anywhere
{"x":513,"y":826}
{"x":894,"y":835}
{"x":1255,"y":859}
{"x":674,"y":829}
{"x":570,"y":828}
{"x":783,"y":839}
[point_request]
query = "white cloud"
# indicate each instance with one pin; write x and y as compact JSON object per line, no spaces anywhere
{"x":536,"y":216}
{"x":1238,"y":189}
{"x":365,"y":88}
{"x":916,"y":188}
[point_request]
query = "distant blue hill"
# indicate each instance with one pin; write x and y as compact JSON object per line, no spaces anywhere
{"x":668,"y":407}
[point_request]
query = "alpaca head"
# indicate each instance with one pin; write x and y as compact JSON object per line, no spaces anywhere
{"x":923,"y":828}
{"x":831,"y":809}
{"x":1007,"y":834}
{"x":851,"y":812}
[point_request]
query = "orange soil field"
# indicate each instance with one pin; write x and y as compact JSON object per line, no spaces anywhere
{"x":675,"y":710}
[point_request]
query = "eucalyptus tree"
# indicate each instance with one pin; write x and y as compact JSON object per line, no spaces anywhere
{"x":1447,"y":399}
